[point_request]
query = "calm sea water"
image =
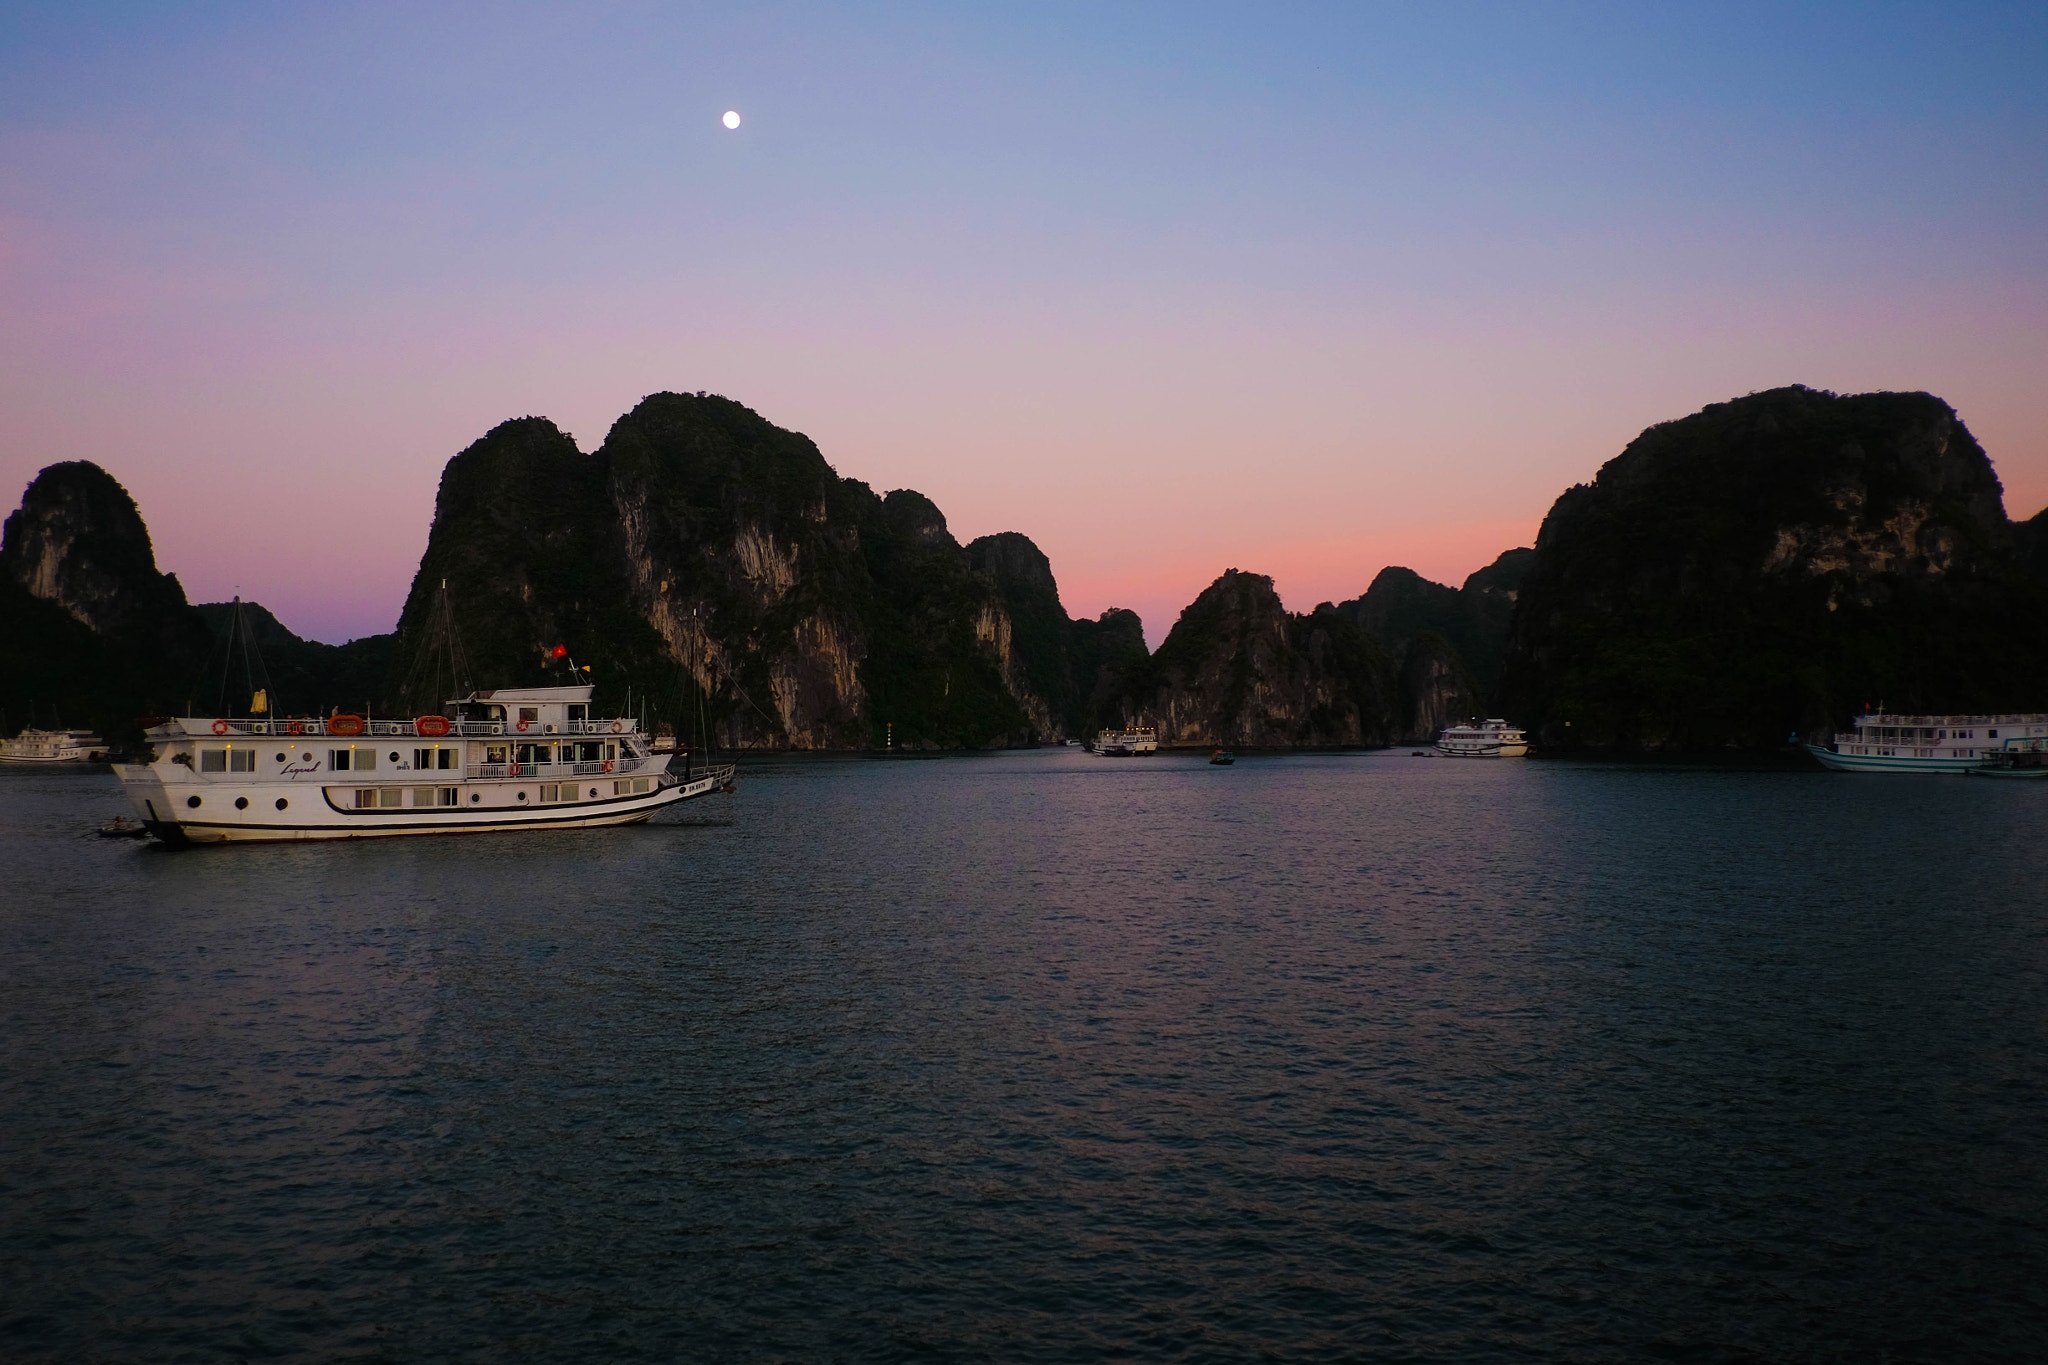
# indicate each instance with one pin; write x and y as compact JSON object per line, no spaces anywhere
{"x":1042,"y":1057}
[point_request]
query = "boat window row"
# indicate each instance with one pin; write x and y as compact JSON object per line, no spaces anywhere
{"x":392,"y":798}
{"x":227,"y":760}
{"x":554,"y":792}
{"x":527,"y":755}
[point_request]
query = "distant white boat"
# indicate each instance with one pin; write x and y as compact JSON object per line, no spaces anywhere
{"x":52,"y":746}
{"x":1130,"y":743}
{"x":1883,"y":743}
{"x":1483,"y":739}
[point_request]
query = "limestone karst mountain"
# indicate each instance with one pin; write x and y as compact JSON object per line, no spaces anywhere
{"x":706,"y":557}
{"x":1769,"y":565}
{"x":1764,"y":565}
{"x":91,"y":632}
{"x":301,"y":677}
{"x":1446,"y":642}
{"x":1238,"y":669}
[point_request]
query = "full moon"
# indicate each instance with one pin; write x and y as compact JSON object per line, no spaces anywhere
{"x":731,"y":119}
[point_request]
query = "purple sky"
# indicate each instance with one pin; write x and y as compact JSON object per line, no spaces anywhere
{"x":1170,"y":289}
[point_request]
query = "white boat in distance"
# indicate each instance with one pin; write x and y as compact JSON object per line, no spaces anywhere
{"x":511,"y":759}
{"x":1130,"y":743}
{"x":53,"y":746}
{"x":1933,"y":744}
{"x":1483,"y":739}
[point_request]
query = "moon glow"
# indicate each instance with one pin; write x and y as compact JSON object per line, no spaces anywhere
{"x":731,"y":119}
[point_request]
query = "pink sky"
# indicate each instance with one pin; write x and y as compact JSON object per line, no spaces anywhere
{"x":1302,"y":298}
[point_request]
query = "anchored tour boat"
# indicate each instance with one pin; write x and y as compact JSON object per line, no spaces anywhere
{"x":511,"y":759}
{"x":1939,"y":744}
{"x":53,"y":746}
{"x":1130,"y":743}
{"x":1483,"y":739}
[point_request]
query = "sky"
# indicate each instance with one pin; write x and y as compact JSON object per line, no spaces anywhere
{"x":1306,"y":290}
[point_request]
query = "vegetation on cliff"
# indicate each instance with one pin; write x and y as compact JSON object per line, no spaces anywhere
{"x":705,"y":557}
{"x":1770,"y":565}
{"x":1447,"y":642}
{"x":91,"y":633}
{"x":302,"y":677}
{"x":1765,"y":565}
{"x":1239,"y":669}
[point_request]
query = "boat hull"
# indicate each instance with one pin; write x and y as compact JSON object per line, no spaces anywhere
{"x":321,"y":819}
{"x":1872,"y":763}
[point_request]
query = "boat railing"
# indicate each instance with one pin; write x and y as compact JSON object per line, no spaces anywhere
{"x":608,"y":767}
{"x":1887,"y":720}
{"x":314,"y":727}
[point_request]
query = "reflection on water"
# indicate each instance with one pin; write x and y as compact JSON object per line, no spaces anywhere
{"x":1033,"y":1056}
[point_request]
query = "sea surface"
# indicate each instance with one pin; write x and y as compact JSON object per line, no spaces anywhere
{"x":1042,"y":1057}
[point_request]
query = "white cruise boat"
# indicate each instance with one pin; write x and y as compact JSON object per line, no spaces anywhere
{"x":1130,"y":743}
{"x":512,"y":759}
{"x":1483,"y":739}
{"x":53,"y":746}
{"x":1933,"y":744}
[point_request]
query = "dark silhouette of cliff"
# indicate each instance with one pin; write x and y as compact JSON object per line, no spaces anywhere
{"x":705,"y":557}
{"x":1446,"y":642}
{"x":302,"y":677}
{"x":90,"y":631}
{"x":1239,"y":669}
{"x":1769,"y":565}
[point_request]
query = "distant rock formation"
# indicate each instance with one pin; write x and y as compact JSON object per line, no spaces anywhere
{"x":1446,"y":642}
{"x":2030,"y":545}
{"x":1041,"y":668}
{"x":1239,"y":669}
{"x":1771,"y":564}
{"x":301,"y":677}
{"x":90,"y":631}
{"x":1437,"y":690}
{"x":79,"y":542}
{"x":709,"y":558}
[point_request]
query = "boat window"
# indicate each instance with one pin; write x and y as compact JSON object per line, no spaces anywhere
{"x":550,"y":791}
{"x":241,"y":760}
{"x":391,"y":796}
{"x":366,"y":798}
{"x":365,"y":759}
{"x":1991,"y":734}
{"x":422,"y":796}
{"x":422,"y":758}
{"x":445,"y":758}
{"x":213,"y":760}
{"x":529,"y":713}
{"x":497,"y":753}
{"x":578,"y":713}
{"x":337,"y":760}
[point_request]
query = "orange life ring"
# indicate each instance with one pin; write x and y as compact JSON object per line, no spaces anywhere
{"x":433,"y":727}
{"x":295,"y":727}
{"x":512,"y":770}
{"x":344,"y":725}
{"x":618,"y":727}
{"x":220,"y":727}
{"x":523,"y":723}
{"x":607,"y":765}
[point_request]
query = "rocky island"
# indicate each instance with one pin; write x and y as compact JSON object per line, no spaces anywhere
{"x":1765,"y":566}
